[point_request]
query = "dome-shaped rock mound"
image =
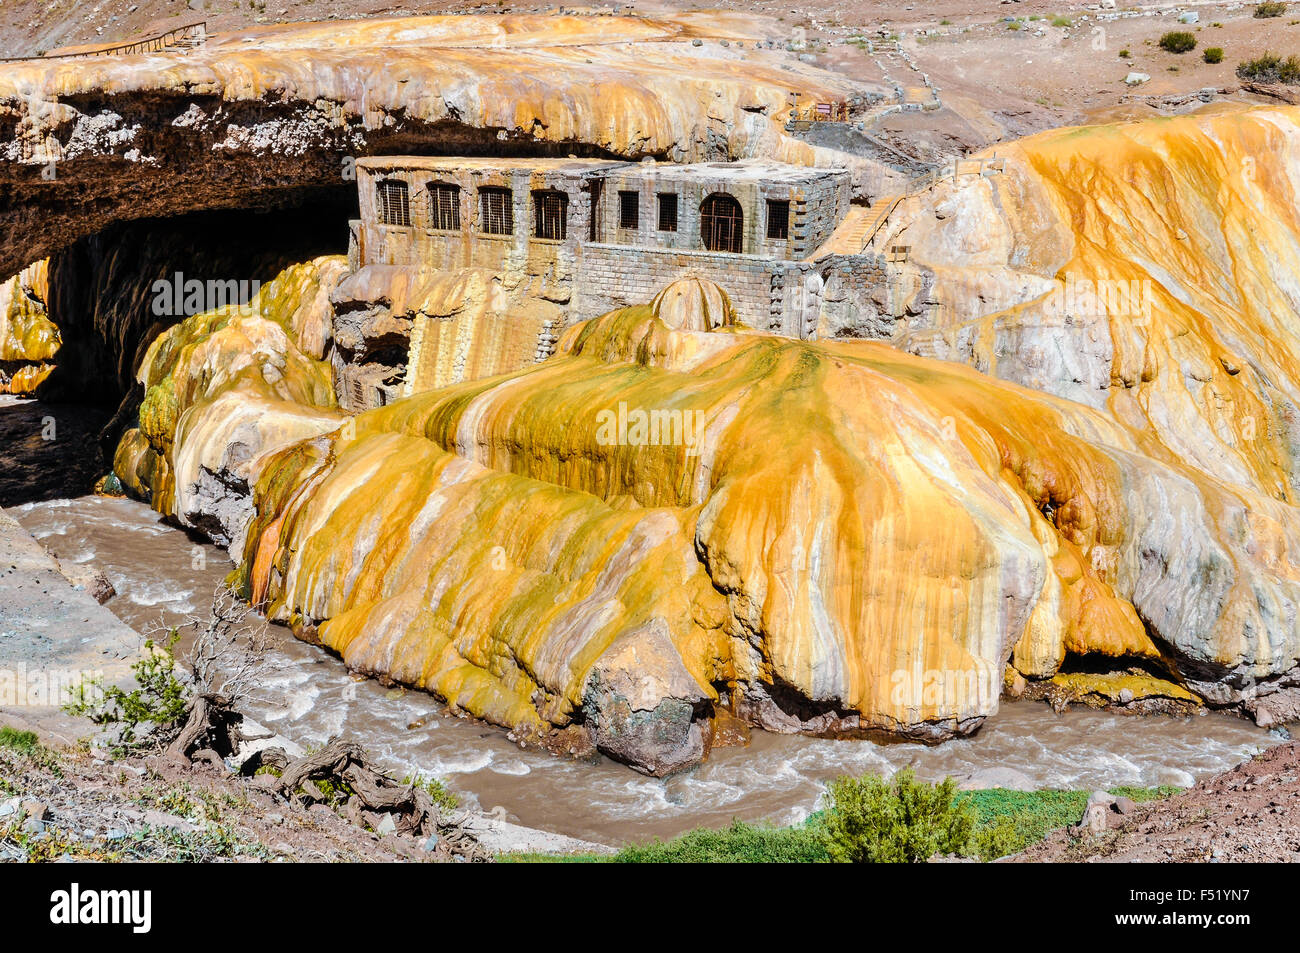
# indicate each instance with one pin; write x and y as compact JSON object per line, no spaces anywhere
{"x":694,"y":304}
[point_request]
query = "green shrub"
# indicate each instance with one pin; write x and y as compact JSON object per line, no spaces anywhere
{"x":1178,"y":41}
{"x":902,"y":820}
{"x":445,"y":799}
{"x":1062,"y":21}
{"x":1271,"y":68}
{"x":1124,"y":54}
{"x":1266,"y":10}
{"x":159,"y":701}
{"x":1213,"y":55}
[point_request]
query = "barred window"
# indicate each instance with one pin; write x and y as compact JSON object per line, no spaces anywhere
{"x":394,"y":202}
{"x":550,"y":214}
{"x":721,"y":223}
{"x":497,"y":214}
{"x":778,"y":219}
{"x":667,"y":212}
{"x":597,"y":218}
{"x":444,"y":206}
{"x":629,"y":210}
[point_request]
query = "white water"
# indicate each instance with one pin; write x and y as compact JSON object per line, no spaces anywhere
{"x":161,"y":575}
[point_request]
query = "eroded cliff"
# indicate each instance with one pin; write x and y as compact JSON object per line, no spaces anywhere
{"x":252,"y":119}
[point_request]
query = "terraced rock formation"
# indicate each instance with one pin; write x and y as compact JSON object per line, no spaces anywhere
{"x":677,"y":521}
{"x":1077,"y":464}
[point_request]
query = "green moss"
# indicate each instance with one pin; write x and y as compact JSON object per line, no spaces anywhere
{"x":739,"y":843}
{"x":1111,"y":684}
{"x":24,"y":742}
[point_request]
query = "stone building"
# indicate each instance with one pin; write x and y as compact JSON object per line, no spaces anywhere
{"x":474,"y":265}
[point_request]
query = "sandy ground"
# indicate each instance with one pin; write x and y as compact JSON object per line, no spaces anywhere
{"x":1250,"y":814}
{"x":54,"y":635}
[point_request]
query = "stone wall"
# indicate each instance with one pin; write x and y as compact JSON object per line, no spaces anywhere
{"x":615,"y":276}
{"x":818,"y":199}
{"x":836,"y":296}
{"x":545,"y":265}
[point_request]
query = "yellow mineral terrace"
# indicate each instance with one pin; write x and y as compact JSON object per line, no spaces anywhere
{"x":676,"y":516}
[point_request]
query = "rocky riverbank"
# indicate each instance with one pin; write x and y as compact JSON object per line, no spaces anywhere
{"x":54,"y":632}
{"x":63,"y":799}
{"x":1250,"y":814}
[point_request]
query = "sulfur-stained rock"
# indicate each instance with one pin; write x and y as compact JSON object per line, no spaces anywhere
{"x":1144,"y":269}
{"x":640,"y":704}
{"x":223,"y":387}
{"x":693,"y":304}
{"x":29,"y":340}
{"x":673,"y":517}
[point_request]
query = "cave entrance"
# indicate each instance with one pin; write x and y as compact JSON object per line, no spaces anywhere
{"x":103,"y":288}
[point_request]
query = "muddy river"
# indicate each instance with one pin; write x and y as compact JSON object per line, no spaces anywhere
{"x":162,"y":575}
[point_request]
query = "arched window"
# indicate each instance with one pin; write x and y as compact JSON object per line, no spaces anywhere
{"x":722,"y":223}
{"x":550,"y":214}
{"x":444,"y":206}
{"x":393,"y":201}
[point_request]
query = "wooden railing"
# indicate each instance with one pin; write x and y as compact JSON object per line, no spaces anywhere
{"x":956,"y":169}
{"x":187,"y":34}
{"x":812,"y":111}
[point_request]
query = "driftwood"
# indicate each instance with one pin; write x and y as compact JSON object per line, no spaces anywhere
{"x":210,"y":732}
{"x":373,"y":794}
{"x":227,"y":659}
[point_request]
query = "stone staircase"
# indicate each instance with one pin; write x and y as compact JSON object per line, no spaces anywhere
{"x":860,"y":227}
{"x":865,"y":230}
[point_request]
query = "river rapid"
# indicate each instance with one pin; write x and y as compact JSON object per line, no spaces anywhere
{"x":162,"y":575}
